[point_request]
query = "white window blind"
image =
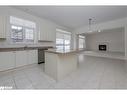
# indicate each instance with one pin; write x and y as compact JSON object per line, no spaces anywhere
{"x":22,"y":30}
{"x":81,"y":41}
{"x":63,"y":40}
{"x":17,"y":32}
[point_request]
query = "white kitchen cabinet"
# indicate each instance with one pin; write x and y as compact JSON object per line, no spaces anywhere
{"x":32,"y":56}
{"x":13,"y":59}
{"x":58,"y":64}
{"x":52,"y":35}
{"x":46,"y":32}
{"x":26,"y":57}
{"x":2,"y":26}
{"x":7,"y":60}
{"x":21,"y":58}
{"x":43,"y":33}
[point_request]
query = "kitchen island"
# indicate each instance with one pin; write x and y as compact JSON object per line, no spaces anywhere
{"x":60,"y":63}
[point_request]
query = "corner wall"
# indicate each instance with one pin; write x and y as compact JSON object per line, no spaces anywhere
{"x":113,"y":38}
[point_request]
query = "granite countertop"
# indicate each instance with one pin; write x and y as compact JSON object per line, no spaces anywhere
{"x":18,"y":48}
{"x":64,"y":51}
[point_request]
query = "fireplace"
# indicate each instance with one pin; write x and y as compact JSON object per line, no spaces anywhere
{"x":102,"y":47}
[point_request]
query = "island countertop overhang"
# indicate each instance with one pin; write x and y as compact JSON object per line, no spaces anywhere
{"x":21,"y":48}
{"x":69,"y":51}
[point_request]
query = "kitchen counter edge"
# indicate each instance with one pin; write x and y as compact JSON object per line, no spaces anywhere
{"x":7,"y":49}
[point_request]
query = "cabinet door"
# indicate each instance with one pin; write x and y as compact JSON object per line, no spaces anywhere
{"x":21,"y":58}
{"x":2,"y":26}
{"x":7,"y":60}
{"x":46,"y":32}
{"x":51,"y":36}
{"x":32,"y":56}
{"x":42,"y":32}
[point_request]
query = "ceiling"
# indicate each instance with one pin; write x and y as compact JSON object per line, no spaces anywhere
{"x":76,"y":16}
{"x":118,"y":29}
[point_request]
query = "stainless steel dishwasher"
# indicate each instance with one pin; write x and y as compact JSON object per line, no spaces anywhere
{"x":41,"y":56}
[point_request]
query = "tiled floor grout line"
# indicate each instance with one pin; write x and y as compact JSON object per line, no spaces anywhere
{"x":30,"y":80}
{"x":96,"y":73}
{"x":14,"y":76}
{"x":14,"y":80}
{"x":115,"y":78}
{"x":99,"y":87}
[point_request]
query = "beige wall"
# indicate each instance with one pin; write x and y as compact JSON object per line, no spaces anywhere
{"x":114,"y":39}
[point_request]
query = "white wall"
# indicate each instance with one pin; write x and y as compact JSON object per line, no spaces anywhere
{"x":7,"y":11}
{"x":114,"y":39}
{"x":101,"y":26}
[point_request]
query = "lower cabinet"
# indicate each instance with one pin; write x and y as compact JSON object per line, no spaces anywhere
{"x":26,"y":57}
{"x":21,"y":58}
{"x":7,"y":60}
{"x":13,"y":59}
{"x":32,"y":56}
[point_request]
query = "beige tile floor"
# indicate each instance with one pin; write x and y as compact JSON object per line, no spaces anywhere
{"x":92,"y":73}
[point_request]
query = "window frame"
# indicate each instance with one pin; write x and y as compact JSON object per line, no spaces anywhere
{"x":64,"y":45}
{"x":14,"y":41}
{"x":82,"y":38}
{"x":29,"y":40}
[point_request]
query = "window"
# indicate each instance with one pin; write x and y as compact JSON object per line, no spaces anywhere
{"x":17,"y":32}
{"x":29,"y":34}
{"x":81,"y":41}
{"x":22,"y":30}
{"x":63,"y":40}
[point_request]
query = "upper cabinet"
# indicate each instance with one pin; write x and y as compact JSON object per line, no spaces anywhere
{"x":2,"y":26}
{"x":46,"y":32}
